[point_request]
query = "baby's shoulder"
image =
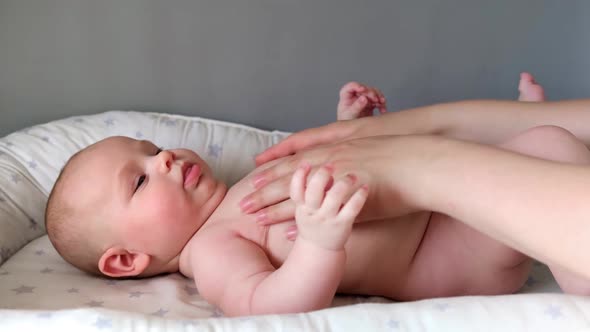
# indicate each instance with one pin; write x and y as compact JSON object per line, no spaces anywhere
{"x":219,"y":255}
{"x":218,"y":240}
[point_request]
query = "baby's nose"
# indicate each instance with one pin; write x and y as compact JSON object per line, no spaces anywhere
{"x":166,"y":158}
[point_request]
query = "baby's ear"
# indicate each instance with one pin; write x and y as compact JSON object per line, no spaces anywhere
{"x":119,"y":262}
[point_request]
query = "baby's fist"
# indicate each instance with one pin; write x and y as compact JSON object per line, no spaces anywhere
{"x":326,"y":209}
{"x":358,"y":100}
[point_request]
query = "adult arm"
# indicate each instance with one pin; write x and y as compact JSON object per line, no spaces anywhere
{"x":536,"y":206}
{"x":482,"y":121}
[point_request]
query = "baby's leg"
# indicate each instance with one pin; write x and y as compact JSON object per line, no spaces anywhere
{"x":455,"y":259}
{"x":558,"y":144}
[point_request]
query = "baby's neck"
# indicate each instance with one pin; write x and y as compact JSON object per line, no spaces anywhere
{"x":183,"y":262}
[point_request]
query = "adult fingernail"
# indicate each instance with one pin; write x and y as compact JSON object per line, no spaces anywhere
{"x":291,"y":235}
{"x":259,"y":180}
{"x":261,"y":217}
{"x":246,"y":205}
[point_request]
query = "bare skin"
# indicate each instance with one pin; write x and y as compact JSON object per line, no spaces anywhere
{"x":356,"y":232}
{"x":461,"y":209}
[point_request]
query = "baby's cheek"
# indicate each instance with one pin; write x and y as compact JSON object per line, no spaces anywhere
{"x":165,"y":209}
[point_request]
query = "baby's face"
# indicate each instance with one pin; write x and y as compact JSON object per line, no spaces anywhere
{"x":154,"y":200}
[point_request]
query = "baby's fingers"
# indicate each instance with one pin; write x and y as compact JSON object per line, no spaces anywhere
{"x":316,"y":188}
{"x":340,"y":192}
{"x":353,"y":207}
{"x":351,"y":89}
{"x":297,"y":189}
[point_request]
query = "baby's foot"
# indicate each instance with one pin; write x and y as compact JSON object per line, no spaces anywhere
{"x":529,"y":89}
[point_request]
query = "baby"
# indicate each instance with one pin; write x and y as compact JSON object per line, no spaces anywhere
{"x":125,"y":208}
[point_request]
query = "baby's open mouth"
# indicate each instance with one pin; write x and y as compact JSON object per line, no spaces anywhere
{"x":191,"y":174}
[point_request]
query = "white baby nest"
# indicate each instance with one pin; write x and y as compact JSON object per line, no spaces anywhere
{"x":38,"y":289}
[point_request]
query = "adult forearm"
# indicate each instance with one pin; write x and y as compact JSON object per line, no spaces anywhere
{"x":537,"y":206}
{"x":492,"y":121}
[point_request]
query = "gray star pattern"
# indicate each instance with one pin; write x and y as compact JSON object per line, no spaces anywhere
{"x":169,"y":122}
{"x":23,"y":290}
{"x":393,"y":324}
{"x":45,"y":315}
{"x":103,"y":323}
{"x":15,"y":178}
{"x":442,"y":306}
{"x":160,"y":313}
{"x":215,"y":150}
{"x":95,"y":304}
{"x":136,"y":294}
{"x":553,"y":311}
{"x":216,"y":312}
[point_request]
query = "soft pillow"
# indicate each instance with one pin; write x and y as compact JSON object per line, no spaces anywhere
{"x":31,"y":159}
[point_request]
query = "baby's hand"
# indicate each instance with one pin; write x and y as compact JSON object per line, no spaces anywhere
{"x":326,"y":209}
{"x":358,"y":100}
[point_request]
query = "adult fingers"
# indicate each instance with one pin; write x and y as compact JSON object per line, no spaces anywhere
{"x":271,"y":193}
{"x":278,"y":213}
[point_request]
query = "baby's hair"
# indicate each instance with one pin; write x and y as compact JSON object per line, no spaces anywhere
{"x":63,"y":222}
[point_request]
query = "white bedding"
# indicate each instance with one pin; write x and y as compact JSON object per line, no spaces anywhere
{"x":38,"y":289}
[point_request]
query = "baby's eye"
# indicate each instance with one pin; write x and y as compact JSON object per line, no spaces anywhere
{"x":139,"y":182}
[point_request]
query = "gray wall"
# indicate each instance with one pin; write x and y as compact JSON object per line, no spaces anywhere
{"x":278,"y":63}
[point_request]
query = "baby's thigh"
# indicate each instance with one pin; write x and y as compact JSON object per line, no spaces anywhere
{"x":455,"y":259}
{"x":557,"y":144}
{"x":549,"y":142}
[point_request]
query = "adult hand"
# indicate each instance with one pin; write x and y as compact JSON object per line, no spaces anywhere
{"x":380,"y":162}
{"x":428,"y":120}
{"x":331,"y":133}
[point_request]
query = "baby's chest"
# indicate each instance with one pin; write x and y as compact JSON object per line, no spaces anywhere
{"x":276,"y":244}
{"x":385,"y":243}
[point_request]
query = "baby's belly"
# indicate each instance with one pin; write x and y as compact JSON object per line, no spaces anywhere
{"x":379,"y":253}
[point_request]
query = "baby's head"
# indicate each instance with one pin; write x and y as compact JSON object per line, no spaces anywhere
{"x":124,"y":208}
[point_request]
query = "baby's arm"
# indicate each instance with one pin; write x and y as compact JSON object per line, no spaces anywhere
{"x":244,"y":282}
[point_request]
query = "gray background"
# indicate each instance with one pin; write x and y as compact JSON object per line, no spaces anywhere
{"x":278,"y":64}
